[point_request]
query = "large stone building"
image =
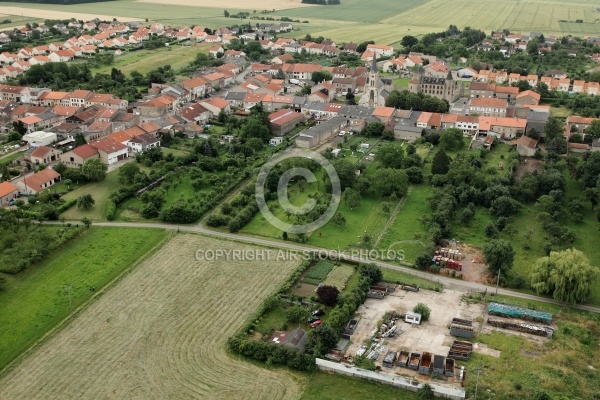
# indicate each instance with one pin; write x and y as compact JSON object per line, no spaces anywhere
{"x":442,"y":88}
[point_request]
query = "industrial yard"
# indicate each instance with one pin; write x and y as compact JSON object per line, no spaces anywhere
{"x":434,"y":351}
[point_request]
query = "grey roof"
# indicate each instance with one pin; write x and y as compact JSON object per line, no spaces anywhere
{"x":315,"y":106}
{"x":296,"y":339}
{"x":46,"y":115}
{"x":323,"y":127}
{"x":299,"y":100}
{"x":356,"y":111}
{"x":432,"y":80}
{"x":235,"y":96}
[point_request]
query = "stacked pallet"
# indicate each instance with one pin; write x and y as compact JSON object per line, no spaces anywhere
{"x":460,"y":350}
{"x":522,"y":327}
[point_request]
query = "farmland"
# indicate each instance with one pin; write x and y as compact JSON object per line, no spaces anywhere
{"x":35,"y":301}
{"x":161,"y":331}
{"x":353,"y":20}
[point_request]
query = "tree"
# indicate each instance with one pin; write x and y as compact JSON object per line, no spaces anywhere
{"x":79,"y":140}
{"x":567,"y":275}
{"x":389,"y":181}
{"x":86,"y":222}
{"x":321,"y":76}
{"x":451,"y":139}
{"x":85,"y":201}
{"x":424,"y":310}
{"x":295,"y":314}
{"x":128,"y":172}
{"x":93,"y":170}
{"x":338,"y":219}
{"x":254,"y":128}
{"x":499,"y":256}
{"x":593,"y":129}
{"x":441,"y":163}
{"x":590,"y":170}
{"x":19,"y":127}
{"x":352,"y":198}
{"x":328,"y":295}
{"x":390,"y":155}
{"x":374,"y":129}
{"x":409,"y":41}
{"x":323,"y":338}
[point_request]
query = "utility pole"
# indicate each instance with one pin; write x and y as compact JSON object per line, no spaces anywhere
{"x":477,"y":381}
{"x":498,"y":282}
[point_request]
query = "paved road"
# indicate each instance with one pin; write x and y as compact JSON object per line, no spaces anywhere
{"x":300,"y":248}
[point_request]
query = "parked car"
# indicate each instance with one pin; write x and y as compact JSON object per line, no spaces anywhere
{"x":316,"y":323}
{"x":318,"y":313}
{"x":310,"y":320}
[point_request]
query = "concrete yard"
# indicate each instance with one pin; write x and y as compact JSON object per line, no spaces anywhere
{"x":432,"y":336}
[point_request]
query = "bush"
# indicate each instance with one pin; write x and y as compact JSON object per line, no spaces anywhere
{"x":64,"y":207}
{"x":424,"y":310}
{"x":425,"y":393}
{"x":423,"y":261}
{"x":216,"y":220}
{"x":111,"y":210}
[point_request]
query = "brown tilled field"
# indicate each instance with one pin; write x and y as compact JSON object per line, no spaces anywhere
{"x":160,"y":333}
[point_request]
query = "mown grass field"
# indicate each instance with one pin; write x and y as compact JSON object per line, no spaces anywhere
{"x":378,"y":20}
{"x":100,"y":191}
{"x":35,"y":301}
{"x":161,"y":330}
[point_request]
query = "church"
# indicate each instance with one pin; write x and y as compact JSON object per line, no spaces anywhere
{"x":377,"y":89}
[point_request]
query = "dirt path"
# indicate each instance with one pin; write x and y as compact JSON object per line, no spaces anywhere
{"x":160,"y":333}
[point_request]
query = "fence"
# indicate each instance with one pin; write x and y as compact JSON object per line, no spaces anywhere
{"x":407,"y":384}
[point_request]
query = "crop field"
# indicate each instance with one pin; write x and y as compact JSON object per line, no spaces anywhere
{"x":160,"y":332}
{"x":339,"y":276}
{"x":353,"y":20}
{"x":36,"y":300}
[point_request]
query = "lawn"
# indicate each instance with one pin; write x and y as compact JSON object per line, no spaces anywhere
{"x":392,"y":276}
{"x":401,"y":83}
{"x":11,"y":157}
{"x":35,"y":301}
{"x":143,"y":61}
{"x":407,"y":233}
{"x":100,"y":191}
{"x":325,"y":386}
{"x":339,"y":276}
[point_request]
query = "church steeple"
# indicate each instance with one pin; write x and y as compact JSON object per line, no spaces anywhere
{"x":374,"y":62}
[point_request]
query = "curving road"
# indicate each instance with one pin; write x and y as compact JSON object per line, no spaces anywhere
{"x":302,"y":248}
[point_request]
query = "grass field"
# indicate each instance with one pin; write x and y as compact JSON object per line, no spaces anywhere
{"x":161,"y":332}
{"x":322,"y":386}
{"x":35,"y":301}
{"x":564,"y":367}
{"x":339,"y":276}
{"x":99,"y":191}
{"x":355,"y":20}
{"x":143,"y":61}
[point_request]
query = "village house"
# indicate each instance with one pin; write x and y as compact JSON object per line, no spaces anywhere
{"x":44,"y":155}
{"x":110,"y":152}
{"x":8,"y":193}
{"x":79,"y":155}
{"x":284,"y":120}
{"x":488,"y":107}
{"x":38,"y":182}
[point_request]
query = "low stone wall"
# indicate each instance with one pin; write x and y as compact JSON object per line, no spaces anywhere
{"x":402,"y":383}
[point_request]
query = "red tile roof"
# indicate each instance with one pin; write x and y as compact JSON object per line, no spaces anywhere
{"x":85,"y":151}
{"x":7,"y":188}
